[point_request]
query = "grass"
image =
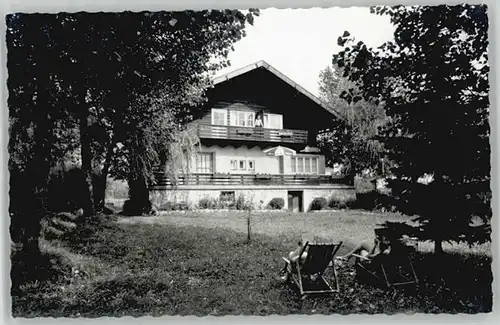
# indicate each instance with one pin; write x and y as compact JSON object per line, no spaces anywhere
{"x":199,"y":263}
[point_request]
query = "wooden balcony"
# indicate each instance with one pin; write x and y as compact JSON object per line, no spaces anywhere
{"x":207,"y":131}
{"x":195,"y":179}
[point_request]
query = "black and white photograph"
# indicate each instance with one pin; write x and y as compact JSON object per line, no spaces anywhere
{"x":330,"y":160}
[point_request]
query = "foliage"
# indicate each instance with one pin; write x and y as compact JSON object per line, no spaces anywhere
{"x":277,"y":203}
{"x":213,"y":203}
{"x":338,"y":204}
{"x":174,"y":206}
{"x":319,"y":203}
{"x":207,"y":203}
{"x":374,"y":201}
{"x":432,"y":81}
{"x":177,"y":151}
{"x":243,"y":203}
{"x":116,"y":189}
{"x":60,"y":225}
{"x":352,"y":142}
{"x":120,"y":79}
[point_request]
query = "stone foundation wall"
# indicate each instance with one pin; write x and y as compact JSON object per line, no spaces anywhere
{"x":259,"y":197}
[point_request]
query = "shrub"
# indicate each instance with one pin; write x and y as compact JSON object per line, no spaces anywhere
{"x":61,"y":225}
{"x":174,"y":206}
{"x":277,"y":203}
{"x":181,"y":206}
{"x":319,"y":203}
{"x":137,"y":207}
{"x":207,"y":203}
{"x":373,"y":201}
{"x":242,"y":204}
{"x":336,"y":204}
{"x":364,"y":185}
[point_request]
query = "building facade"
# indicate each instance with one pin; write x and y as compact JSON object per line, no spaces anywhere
{"x":258,"y":141}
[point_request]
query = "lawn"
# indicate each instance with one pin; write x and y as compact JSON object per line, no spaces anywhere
{"x":200,"y":263}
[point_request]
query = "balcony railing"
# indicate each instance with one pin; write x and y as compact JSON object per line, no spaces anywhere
{"x":207,"y":131}
{"x":162,"y":181}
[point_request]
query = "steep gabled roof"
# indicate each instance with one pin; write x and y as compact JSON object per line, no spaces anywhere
{"x":280,"y":75}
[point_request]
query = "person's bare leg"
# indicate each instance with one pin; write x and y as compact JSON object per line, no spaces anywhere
{"x":365,"y":245}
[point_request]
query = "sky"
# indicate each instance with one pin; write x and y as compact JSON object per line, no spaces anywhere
{"x":300,"y":42}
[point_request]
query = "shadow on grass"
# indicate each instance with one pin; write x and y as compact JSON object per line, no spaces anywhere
{"x":168,"y":270}
{"x":460,"y":282}
{"x":45,"y":268}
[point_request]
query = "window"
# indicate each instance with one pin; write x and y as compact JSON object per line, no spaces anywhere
{"x":304,"y":165}
{"x":250,"y":119}
{"x":234,"y":164}
{"x":241,"y":118}
{"x":307,"y":165}
{"x":204,"y":162}
{"x":300,"y":165}
{"x":273,"y":121}
{"x":227,"y":197}
{"x":314,"y":165}
{"x":243,"y":164}
{"x":219,"y":116}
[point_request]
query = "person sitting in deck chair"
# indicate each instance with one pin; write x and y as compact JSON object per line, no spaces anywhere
{"x":370,"y":249}
{"x":293,"y":256}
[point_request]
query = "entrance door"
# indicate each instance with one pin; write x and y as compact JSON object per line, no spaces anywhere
{"x":295,"y":201}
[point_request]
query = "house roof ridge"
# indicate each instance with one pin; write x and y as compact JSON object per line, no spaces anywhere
{"x":279,"y":74}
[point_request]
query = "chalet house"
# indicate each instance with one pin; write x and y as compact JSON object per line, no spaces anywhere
{"x":258,"y":140}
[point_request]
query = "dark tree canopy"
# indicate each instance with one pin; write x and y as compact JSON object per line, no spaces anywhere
{"x":117,"y":86}
{"x":432,"y":81}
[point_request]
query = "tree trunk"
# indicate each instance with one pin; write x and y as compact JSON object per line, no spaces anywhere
{"x":100,"y":181}
{"x":438,"y":247}
{"x":38,"y":170}
{"x":138,"y":202}
{"x":99,"y":191}
{"x":85,"y":142}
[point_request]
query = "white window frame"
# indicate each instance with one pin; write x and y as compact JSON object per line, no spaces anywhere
{"x":301,"y":165}
{"x":219,"y":111}
{"x":307,"y":165}
{"x":241,"y":118}
{"x":205,"y":169}
{"x":234,"y":164}
{"x":315,"y":170}
{"x":251,"y":162}
{"x":277,"y":117}
{"x":244,"y":165}
{"x":313,"y":161}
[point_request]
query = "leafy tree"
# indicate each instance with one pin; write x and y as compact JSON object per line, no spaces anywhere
{"x":432,"y":81}
{"x":352,"y":141}
{"x":39,"y":127}
{"x":77,"y":77}
{"x":141,"y":54}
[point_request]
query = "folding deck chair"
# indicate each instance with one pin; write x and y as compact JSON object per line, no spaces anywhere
{"x":394,"y":269}
{"x":308,"y":275}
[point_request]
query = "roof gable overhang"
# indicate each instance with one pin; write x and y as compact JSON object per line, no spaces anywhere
{"x":264,"y":65}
